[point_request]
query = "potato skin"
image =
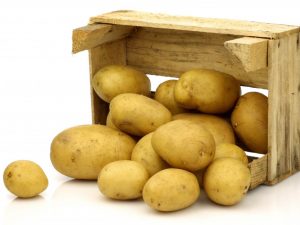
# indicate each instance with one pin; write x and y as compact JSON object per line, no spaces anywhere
{"x":208,"y":91}
{"x":144,"y":153}
{"x":138,"y":115}
{"x":109,"y":122}
{"x":217,"y":126}
{"x":81,"y":152}
{"x":250,"y":121}
{"x":113,"y":80}
{"x":25,"y":179}
{"x":184,"y":144}
{"x":122,"y":180}
{"x":226,"y":181}
{"x":171,"y":189}
{"x":227,"y":150}
{"x":165,"y":95}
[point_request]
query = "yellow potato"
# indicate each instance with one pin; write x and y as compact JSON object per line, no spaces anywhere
{"x":25,"y":179}
{"x":138,"y":115}
{"x":184,"y":144}
{"x":109,"y":122}
{"x":208,"y":91}
{"x":122,"y":180}
{"x":81,"y":152}
{"x":165,"y":95}
{"x":144,"y":153}
{"x":171,"y":190}
{"x":226,"y":181}
{"x":113,"y":80}
{"x":250,"y":121}
{"x":220,"y":129}
{"x":225,"y":150}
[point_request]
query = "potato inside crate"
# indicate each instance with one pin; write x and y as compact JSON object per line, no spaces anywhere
{"x":259,"y":55}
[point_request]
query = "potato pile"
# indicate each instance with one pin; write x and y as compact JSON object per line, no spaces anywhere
{"x":166,"y":148}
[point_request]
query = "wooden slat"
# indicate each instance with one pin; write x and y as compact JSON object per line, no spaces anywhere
{"x":258,"y":169}
{"x":170,"y":53}
{"x":284,"y":105}
{"x":295,"y":101}
{"x":218,"y":26}
{"x":93,"y":35}
{"x":251,"y":52}
{"x":103,"y":55}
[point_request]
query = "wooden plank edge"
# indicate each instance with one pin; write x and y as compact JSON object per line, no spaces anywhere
{"x":90,"y":36}
{"x":109,"y":18}
{"x":251,"y":53}
{"x":258,"y":169}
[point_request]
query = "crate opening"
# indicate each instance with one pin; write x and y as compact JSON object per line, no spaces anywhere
{"x":156,"y":80}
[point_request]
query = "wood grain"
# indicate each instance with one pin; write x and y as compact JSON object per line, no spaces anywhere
{"x":258,"y":169}
{"x":186,"y":23}
{"x":252,"y":53}
{"x":284,"y":108}
{"x":170,"y":53}
{"x":103,"y":55}
{"x":93,"y":35}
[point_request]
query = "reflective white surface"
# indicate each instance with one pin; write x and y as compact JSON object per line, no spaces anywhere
{"x":45,"y":89}
{"x":80,"y":202}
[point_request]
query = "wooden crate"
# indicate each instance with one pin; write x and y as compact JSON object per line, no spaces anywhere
{"x":257,"y":54}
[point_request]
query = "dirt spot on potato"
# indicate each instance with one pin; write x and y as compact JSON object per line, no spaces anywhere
{"x":73,"y":159}
{"x":9,"y":175}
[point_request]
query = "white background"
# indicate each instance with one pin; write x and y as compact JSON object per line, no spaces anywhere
{"x":45,"y":89}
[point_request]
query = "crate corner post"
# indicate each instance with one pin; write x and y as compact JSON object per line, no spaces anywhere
{"x":284,"y":107}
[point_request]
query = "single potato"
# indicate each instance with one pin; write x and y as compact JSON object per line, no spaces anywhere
{"x":227,"y":150}
{"x":171,"y":189}
{"x":25,"y":179}
{"x":165,"y":95}
{"x":220,"y":129}
{"x":144,"y":153}
{"x":226,"y":181}
{"x":208,"y":91}
{"x":81,"y":152}
{"x":184,"y":144}
{"x":250,"y":121}
{"x":122,"y":180}
{"x":109,"y":122}
{"x":138,"y":115}
{"x":113,"y":80}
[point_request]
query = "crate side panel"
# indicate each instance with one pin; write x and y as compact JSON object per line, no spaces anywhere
{"x":103,"y":55}
{"x":170,"y":53}
{"x":296,"y":109}
{"x":209,"y":25}
{"x":283,"y":128}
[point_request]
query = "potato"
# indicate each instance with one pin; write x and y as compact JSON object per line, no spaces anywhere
{"x":227,"y":150}
{"x":144,"y":153}
{"x":109,"y":122}
{"x":25,"y":179}
{"x":208,"y":91}
{"x":138,"y":115}
{"x":226,"y":181}
{"x":184,"y":144}
{"x":165,"y":95}
{"x":122,"y":180}
{"x":81,"y":152}
{"x":250,"y":121}
{"x":217,"y":126}
{"x":171,"y":189}
{"x":113,"y":80}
